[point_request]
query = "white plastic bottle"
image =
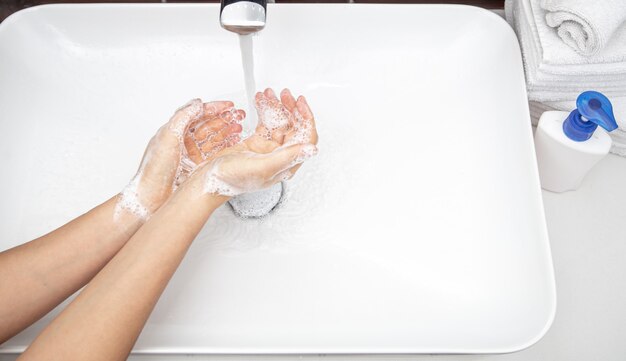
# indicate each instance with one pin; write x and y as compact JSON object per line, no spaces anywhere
{"x":569,"y":145}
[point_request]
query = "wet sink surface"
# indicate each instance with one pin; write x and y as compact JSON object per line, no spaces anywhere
{"x":419,"y":228}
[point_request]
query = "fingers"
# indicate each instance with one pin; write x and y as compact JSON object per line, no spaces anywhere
{"x":259,"y":97}
{"x":193,"y":112}
{"x":211,"y":109}
{"x":308,"y":119}
{"x":312,"y":152}
{"x":217,"y":123}
{"x":260,"y":102}
{"x":193,"y":152}
{"x":303,"y":130}
{"x":303,"y":109}
{"x":234,"y":128}
{"x":214,"y":132}
{"x":288,"y":100}
{"x":202,"y":131}
{"x":269,"y":93}
{"x":274,"y":119}
{"x":218,"y":140}
{"x":217,"y":107}
{"x":286,"y":121}
{"x":185,"y":115}
{"x":232,"y":139}
{"x":284,"y":158}
{"x":232,"y":115}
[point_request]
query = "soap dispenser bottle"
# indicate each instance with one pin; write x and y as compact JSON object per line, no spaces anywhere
{"x":568,"y":145}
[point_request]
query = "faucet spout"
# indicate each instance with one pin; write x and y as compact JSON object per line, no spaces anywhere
{"x":243,"y":16}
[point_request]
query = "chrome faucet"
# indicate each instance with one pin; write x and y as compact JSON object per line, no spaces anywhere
{"x":243,"y":16}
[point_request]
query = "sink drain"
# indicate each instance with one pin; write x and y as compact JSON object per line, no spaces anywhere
{"x":257,"y":204}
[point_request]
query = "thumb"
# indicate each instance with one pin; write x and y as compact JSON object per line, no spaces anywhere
{"x":284,"y":158}
{"x":184,"y":115}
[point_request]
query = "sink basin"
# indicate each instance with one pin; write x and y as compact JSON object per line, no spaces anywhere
{"x":419,"y":228}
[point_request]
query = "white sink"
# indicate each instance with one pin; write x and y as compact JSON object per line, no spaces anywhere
{"x":419,"y":228}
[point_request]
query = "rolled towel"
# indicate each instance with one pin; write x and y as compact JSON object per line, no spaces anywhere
{"x":554,"y":70}
{"x":585,"y":25}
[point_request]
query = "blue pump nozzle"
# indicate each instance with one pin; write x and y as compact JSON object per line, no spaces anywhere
{"x":592,"y":109}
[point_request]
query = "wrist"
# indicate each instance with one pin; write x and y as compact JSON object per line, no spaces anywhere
{"x":141,"y":199}
{"x":125,"y":220}
{"x":191,"y":197}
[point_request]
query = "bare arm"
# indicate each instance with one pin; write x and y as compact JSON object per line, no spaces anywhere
{"x":104,"y":321}
{"x":40,"y":274}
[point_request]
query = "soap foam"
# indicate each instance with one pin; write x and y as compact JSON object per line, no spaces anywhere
{"x":186,"y":166}
{"x":226,"y":142}
{"x":129,"y":200}
{"x":307,"y":151}
{"x":193,"y":110}
{"x":216,"y":183}
{"x":184,"y":115}
{"x":273,"y":116}
{"x":302,"y":130}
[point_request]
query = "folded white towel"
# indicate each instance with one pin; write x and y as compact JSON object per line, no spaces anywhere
{"x":585,"y":25}
{"x":554,"y":71}
{"x":557,"y":56}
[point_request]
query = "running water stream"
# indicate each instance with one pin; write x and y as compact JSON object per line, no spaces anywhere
{"x":255,"y":204}
{"x":247,"y":60}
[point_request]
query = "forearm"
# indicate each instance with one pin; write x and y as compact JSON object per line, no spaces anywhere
{"x":40,"y":274}
{"x":109,"y":314}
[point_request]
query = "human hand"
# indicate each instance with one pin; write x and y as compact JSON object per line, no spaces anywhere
{"x":167,"y":162}
{"x":284,"y":139}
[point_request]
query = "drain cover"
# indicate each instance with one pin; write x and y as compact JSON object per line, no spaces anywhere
{"x":257,"y":204}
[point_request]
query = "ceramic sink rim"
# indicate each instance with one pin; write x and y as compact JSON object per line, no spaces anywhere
{"x":15,"y":18}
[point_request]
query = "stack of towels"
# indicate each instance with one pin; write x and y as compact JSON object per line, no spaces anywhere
{"x":570,"y":46}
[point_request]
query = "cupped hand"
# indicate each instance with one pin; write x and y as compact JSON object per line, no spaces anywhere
{"x":284,"y":139}
{"x":166,"y":161}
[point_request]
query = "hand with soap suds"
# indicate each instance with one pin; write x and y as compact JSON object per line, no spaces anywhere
{"x":284,"y":139}
{"x":129,"y":262}
{"x":209,"y":135}
{"x":167,"y":162}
